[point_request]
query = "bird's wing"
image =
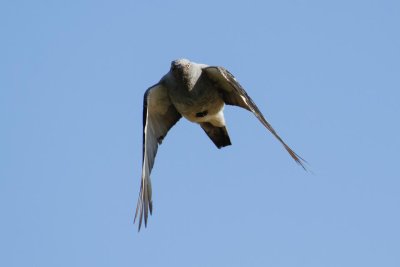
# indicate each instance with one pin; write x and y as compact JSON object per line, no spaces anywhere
{"x":234,"y":94}
{"x":159,"y":115}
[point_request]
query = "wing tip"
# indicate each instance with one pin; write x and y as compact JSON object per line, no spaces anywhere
{"x":144,"y":206}
{"x":299,"y":160}
{"x":142,"y":217}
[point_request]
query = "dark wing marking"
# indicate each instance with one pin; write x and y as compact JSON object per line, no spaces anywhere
{"x":159,"y":115}
{"x":234,"y":94}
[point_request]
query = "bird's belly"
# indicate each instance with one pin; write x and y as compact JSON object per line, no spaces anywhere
{"x":202,"y":110}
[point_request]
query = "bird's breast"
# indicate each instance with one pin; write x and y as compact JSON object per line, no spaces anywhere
{"x":198,"y":106}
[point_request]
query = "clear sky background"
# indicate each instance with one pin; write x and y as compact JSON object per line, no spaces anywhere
{"x":326,"y":74}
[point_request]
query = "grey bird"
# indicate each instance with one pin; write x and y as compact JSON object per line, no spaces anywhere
{"x":197,"y":92}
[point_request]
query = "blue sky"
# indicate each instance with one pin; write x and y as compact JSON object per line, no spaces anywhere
{"x":324,"y":73}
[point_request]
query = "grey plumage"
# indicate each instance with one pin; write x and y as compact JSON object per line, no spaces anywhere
{"x":197,"y":92}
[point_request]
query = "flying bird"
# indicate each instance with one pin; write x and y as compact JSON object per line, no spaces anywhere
{"x":197,"y":92}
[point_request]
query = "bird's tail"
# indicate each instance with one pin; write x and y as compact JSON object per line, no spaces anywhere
{"x":219,"y":135}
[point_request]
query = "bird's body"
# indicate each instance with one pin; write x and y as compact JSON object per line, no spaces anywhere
{"x":191,"y":97}
{"x":198,"y":93}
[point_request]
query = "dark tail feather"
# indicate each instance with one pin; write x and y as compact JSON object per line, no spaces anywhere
{"x":219,"y":135}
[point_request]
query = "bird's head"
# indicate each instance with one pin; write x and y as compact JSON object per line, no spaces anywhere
{"x":185,"y":72}
{"x":180,"y":67}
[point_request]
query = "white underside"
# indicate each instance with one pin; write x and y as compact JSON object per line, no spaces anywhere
{"x":217,"y":119}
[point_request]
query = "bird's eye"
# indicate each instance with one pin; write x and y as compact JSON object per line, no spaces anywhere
{"x":187,"y":65}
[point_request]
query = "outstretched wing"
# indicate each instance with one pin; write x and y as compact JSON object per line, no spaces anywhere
{"x":234,"y":94}
{"x":159,"y":115}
